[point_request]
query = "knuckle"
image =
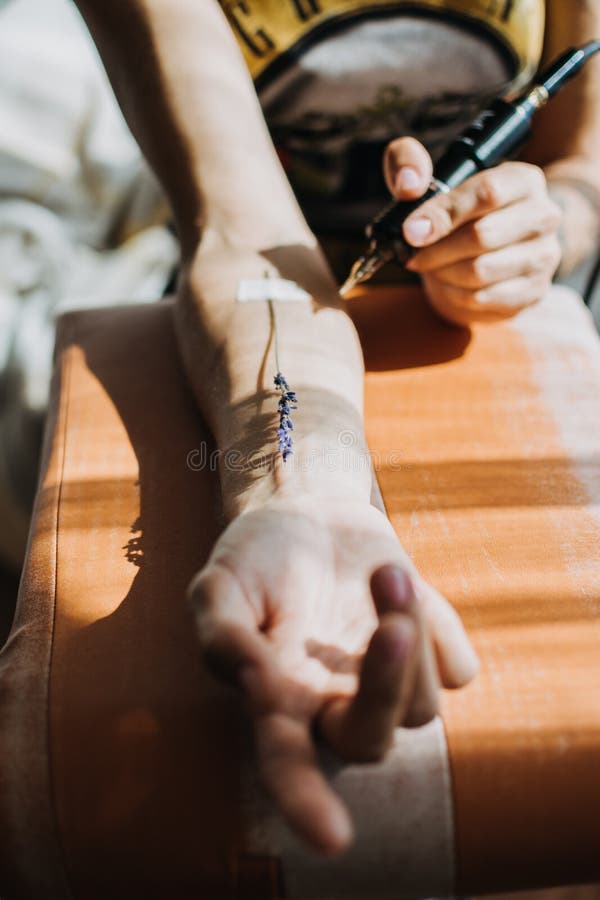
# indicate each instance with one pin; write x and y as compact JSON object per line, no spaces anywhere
{"x":446,"y":214}
{"x":479,"y":270}
{"x":536,"y":176}
{"x":445,"y":218}
{"x":480,"y":231}
{"x":490,"y":188}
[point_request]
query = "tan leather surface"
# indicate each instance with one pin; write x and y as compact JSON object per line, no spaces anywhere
{"x":149,"y":771}
{"x":404,"y":837}
{"x":475,"y":438}
{"x":31,"y":862}
{"x":495,"y":493}
{"x":143,"y":743}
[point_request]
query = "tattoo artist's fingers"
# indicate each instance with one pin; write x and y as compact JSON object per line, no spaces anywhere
{"x":457,"y":661}
{"x":394,"y":588}
{"x":539,"y":256}
{"x":504,"y":299}
{"x":407,"y":168}
{"x":521,"y":221}
{"x":226,"y":625}
{"x":479,"y":195}
{"x":443,"y":300}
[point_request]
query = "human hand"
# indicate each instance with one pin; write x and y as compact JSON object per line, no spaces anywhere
{"x":486,"y":249}
{"x":312,"y":608}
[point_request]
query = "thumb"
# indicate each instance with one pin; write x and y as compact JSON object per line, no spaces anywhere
{"x":227,"y":628}
{"x":407,"y":168}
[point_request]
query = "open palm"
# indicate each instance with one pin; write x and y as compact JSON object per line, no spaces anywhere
{"x":314,"y":610}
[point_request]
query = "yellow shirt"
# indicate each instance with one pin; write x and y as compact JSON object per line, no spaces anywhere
{"x":338,"y":79}
{"x":268,"y":29}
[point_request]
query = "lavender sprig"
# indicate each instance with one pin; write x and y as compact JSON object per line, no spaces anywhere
{"x":287,"y":402}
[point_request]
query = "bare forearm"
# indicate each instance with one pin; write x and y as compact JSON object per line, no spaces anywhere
{"x":230,"y":356}
{"x":567,"y":132}
{"x":186,"y":95}
{"x":574,"y":184}
{"x":189,"y":100}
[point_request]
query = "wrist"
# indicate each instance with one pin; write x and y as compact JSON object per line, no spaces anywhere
{"x":329,"y":457}
{"x":228,"y":349}
{"x":223,"y":342}
{"x":575,"y":188}
{"x":242,"y":231}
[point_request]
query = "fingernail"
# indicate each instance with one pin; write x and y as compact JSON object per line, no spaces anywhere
{"x":393,"y":589}
{"x":404,"y":594}
{"x":416,"y":230}
{"x":407,"y":179}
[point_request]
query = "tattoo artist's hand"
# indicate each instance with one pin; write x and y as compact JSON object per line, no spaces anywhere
{"x":489,"y":247}
{"x":312,"y":608}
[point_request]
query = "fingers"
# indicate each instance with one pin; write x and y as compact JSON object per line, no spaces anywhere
{"x":407,"y":168}
{"x":397,"y":683}
{"x":489,"y":247}
{"x":226,"y":626}
{"x":288,"y":765}
{"x":290,"y":773}
{"x":534,"y":257}
{"x":361,"y":729}
{"x":457,"y":661}
{"x":392,"y":586}
{"x":478,"y":196}
{"x":491,"y":304}
{"x":522,"y":221}
{"x":281,"y":711}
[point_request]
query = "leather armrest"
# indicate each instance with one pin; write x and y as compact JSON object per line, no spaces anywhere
{"x":126,"y":771}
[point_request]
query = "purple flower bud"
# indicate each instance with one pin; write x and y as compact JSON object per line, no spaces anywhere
{"x":284,"y":406}
{"x":280,"y":382}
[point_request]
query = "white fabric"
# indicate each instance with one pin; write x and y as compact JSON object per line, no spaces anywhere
{"x":404,"y":826}
{"x":82,"y":219}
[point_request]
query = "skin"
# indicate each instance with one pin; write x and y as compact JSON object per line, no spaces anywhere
{"x":491,"y":247}
{"x":308,"y":604}
{"x":315,"y":646}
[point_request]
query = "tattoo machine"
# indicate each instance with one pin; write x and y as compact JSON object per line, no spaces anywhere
{"x":495,"y":135}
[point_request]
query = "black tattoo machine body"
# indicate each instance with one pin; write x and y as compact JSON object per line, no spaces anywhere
{"x":495,"y":135}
